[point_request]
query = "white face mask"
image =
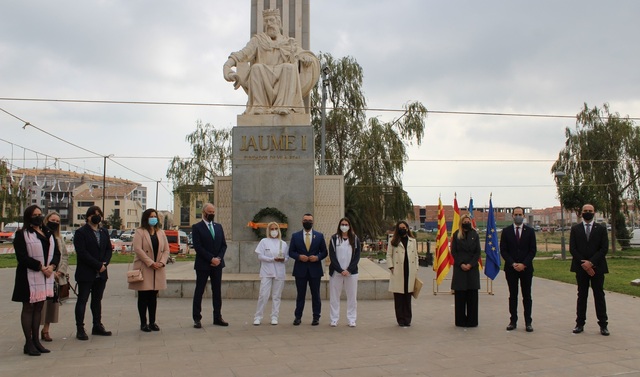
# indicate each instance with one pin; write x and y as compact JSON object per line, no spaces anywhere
{"x":344,"y":228}
{"x":274,"y":234}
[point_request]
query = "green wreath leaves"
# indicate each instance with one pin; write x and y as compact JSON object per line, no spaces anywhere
{"x":272,"y":213}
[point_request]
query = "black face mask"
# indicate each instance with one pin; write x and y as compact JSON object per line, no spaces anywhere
{"x":37,"y":220}
{"x":402,"y":232}
{"x":588,"y":216}
{"x":466,"y":226}
{"x":53,"y":226}
{"x":210,"y":217}
{"x":96,"y":219}
{"x":307,"y":225}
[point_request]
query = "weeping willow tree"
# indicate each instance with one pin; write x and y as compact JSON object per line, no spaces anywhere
{"x":601,"y":159}
{"x":12,"y":197}
{"x":370,"y":154}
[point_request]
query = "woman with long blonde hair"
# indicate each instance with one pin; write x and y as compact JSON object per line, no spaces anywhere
{"x":273,"y":254}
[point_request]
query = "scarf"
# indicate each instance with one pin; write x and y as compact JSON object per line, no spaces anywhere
{"x":40,"y":286}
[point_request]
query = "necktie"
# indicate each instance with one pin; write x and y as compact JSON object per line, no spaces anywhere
{"x":213,"y":233}
{"x":307,"y":240}
{"x":518,"y":233}
{"x":588,"y":230}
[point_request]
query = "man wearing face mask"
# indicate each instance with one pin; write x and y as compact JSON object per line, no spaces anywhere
{"x":308,"y":248}
{"x":210,"y":246}
{"x":94,"y":250}
{"x":589,"y":244}
{"x":518,"y":248}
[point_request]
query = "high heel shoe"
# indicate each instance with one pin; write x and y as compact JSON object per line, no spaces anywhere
{"x":30,"y":349}
{"x":45,"y":336}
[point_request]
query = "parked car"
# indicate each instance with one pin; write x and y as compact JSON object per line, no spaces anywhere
{"x":127,"y":235}
{"x":177,"y":241}
{"x":115,"y":233}
{"x":67,"y":235}
{"x":7,"y":234}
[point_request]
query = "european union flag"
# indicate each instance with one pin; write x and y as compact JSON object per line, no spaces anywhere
{"x":492,"y":246}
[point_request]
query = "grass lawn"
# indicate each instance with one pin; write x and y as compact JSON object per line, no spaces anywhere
{"x":621,"y":272}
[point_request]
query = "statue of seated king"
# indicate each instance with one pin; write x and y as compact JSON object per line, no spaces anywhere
{"x":274,"y":71}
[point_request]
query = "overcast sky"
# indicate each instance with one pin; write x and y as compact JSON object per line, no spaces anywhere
{"x":509,"y":56}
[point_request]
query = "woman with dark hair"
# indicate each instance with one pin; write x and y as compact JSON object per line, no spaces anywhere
{"x":94,"y":251}
{"x":344,"y":254}
{"x":465,"y":249}
{"x":37,"y":254}
{"x":152,"y":251}
{"x":402,"y":258}
{"x":51,"y":308}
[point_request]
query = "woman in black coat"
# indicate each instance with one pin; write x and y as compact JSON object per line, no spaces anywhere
{"x":38,"y":255}
{"x":465,"y":249}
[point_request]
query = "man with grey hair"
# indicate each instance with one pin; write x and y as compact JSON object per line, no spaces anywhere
{"x":210,"y":246}
{"x":273,"y":82}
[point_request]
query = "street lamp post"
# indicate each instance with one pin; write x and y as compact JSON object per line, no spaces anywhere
{"x":323,"y":120}
{"x":104,"y":182}
{"x":563,"y":252}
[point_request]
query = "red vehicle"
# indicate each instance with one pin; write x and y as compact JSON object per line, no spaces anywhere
{"x":177,"y":241}
{"x":6,"y":235}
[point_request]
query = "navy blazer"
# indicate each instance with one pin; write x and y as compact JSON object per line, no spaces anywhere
{"x":206,"y":247}
{"x":594,"y":250}
{"x":297,"y":248}
{"x":91,"y":255}
{"x":513,"y":251}
{"x":355,"y":256}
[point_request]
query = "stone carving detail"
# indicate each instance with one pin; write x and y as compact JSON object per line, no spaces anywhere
{"x":274,"y":71}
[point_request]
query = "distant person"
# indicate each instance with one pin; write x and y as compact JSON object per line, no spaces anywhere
{"x":152,"y":251}
{"x":589,"y":244}
{"x":344,"y":253}
{"x":402,"y":259}
{"x":38,"y":256}
{"x":51,"y":307}
{"x":273,"y":253}
{"x":465,"y":249}
{"x":518,"y":248}
{"x":210,"y":246}
{"x":93,"y":249}
{"x":308,"y":248}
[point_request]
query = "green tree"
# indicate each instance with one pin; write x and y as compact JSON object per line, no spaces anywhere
{"x":370,"y":154}
{"x":601,"y":158}
{"x":210,"y":157}
{"x":12,"y":197}
{"x":114,"y":221}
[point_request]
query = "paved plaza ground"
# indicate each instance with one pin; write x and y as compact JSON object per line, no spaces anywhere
{"x":432,"y":346}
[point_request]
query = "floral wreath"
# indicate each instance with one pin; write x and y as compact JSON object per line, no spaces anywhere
{"x":269,"y":212}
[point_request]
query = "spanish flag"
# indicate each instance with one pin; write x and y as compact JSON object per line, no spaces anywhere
{"x":443,"y":257}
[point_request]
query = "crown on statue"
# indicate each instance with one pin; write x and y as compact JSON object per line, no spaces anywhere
{"x":271,"y":12}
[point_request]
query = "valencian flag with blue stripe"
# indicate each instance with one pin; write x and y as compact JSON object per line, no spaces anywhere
{"x":492,"y":246}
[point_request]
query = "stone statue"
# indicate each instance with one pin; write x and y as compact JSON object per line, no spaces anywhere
{"x":275,"y":72}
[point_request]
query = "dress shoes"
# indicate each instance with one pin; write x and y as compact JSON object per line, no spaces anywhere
{"x":604,"y":331}
{"x":154,"y":327}
{"x":578,"y":329}
{"x":511,"y":326}
{"x":315,"y":322}
{"x":45,"y":336}
{"x":100,"y":330}
{"x":81,"y":334}
{"x":31,"y":350}
{"x":145,"y":328}
{"x":220,"y":322}
{"x":529,"y":328}
{"x":297,"y":322}
{"x":39,"y":346}
{"x":197,"y":324}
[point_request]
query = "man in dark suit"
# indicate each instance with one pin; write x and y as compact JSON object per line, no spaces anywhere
{"x":308,"y":248}
{"x":210,"y":246}
{"x":94,"y":250}
{"x":518,"y":248}
{"x":589,"y":244}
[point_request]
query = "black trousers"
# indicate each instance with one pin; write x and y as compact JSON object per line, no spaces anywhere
{"x":216,"y":292}
{"x":147,"y":301}
{"x":94,"y":288}
{"x":597,"y":286}
{"x":314,"y":287}
{"x":466,"y":308}
{"x":524,"y":279}
{"x":402,"y":303}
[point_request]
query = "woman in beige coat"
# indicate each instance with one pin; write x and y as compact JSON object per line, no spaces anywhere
{"x":152,"y":251}
{"x":402,"y":259}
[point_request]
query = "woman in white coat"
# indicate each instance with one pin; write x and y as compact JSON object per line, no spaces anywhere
{"x":344,"y":253}
{"x":273,"y":254}
{"x":402,"y":258}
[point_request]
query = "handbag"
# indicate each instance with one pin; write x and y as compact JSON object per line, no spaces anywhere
{"x":63,"y":292}
{"x":134,"y":276}
{"x":417,"y":286}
